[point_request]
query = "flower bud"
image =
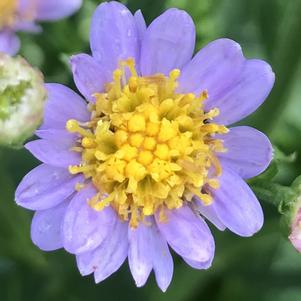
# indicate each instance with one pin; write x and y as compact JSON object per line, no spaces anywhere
{"x":295,"y":216}
{"x":22,"y":97}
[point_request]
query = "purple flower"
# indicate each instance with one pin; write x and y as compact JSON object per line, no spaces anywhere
{"x":138,"y":169}
{"x":21,"y":15}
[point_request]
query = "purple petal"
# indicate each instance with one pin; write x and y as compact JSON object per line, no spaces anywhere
{"x":113,"y":36}
{"x":88,"y":75}
{"x":108,"y":257}
{"x":46,"y":227}
{"x":199,"y":265}
{"x":209,"y":213}
{"x":27,"y":26}
{"x":84,"y":228}
{"x":24,"y":22}
{"x":45,"y":187}
{"x":187,"y":234}
{"x":56,"y":135}
{"x":168,"y":43}
{"x":140,"y":23}
{"x":249,"y":152}
{"x":56,"y":153}
{"x":246,"y":93}
{"x":162,"y":259}
{"x":236,"y":205}
{"x":140,"y":253}
{"x":56,"y":9}
{"x":63,"y":104}
{"x":9,"y":42}
{"x":214,"y":68}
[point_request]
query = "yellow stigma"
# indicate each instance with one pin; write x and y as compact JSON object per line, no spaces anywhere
{"x":8,"y":10}
{"x":148,"y":147}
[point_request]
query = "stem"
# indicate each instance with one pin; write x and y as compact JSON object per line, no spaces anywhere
{"x":275,"y":194}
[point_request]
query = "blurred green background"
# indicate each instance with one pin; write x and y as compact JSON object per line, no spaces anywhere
{"x":264,"y":267}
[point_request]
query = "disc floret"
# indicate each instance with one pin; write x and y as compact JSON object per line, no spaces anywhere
{"x":148,"y":147}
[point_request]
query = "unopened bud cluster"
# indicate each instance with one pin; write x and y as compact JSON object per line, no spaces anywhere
{"x":22,"y":97}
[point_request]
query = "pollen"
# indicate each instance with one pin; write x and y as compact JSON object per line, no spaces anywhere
{"x":136,"y":140}
{"x":145,"y":157}
{"x":136,"y":123}
{"x":148,"y":147}
{"x":149,"y":143}
{"x":152,"y":128}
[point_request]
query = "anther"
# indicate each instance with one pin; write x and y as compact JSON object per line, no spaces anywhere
{"x":136,"y":123}
{"x":174,"y":74}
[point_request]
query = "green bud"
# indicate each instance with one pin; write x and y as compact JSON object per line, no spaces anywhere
{"x":294,"y":216}
{"x":22,"y":97}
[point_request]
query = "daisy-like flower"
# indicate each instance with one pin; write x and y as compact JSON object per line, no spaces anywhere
{"x":21,"y":15}
{"x":136,"y":166}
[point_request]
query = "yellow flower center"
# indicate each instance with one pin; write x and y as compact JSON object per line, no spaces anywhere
{"x":7,"y":12}
{"x":147,"y":147}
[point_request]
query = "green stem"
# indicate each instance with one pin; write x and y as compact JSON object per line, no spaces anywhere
{"x":275,"y":194}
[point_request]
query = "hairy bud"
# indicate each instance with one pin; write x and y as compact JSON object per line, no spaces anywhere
{"x":22,"y":97}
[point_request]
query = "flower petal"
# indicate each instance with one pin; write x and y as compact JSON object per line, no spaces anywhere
{"x":84,"y":228}
{"x":148,"y":249}
{"x":56,"y":135}
{"x":209,"y":213}
{"x":45,"y":187}
{"x":162,"y":259}
{"x":187,"y":234}
{"x":113,"y":36}
{"x":27,"y":26}
{"x":46,"y":227}
{"x":236,"y":205}
{"x":108,"y":257}
{"x":63,"y":104}
{"x":88,"y":75}
{"x":246,"y":93}
{"x":56,"y":153}
{"x":140,"y":23}
{"x":199,"y":265}
{"x":214,"y":68}
{"x":9,"y":42}
{"x":140,"y":254}
{"x":168,"y":43}
{"x":249,"y":152}
{"x":56,"y":9}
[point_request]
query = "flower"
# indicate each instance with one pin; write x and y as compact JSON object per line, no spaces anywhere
{"x":137,"y":168}
{"x":21,"y":15}
{"x":22,"y":98}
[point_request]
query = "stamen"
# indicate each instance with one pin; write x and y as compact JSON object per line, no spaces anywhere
{"x":73,"y":127}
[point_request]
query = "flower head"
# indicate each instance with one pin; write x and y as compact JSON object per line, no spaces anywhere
{"x":139,"y":167}
{"x":22,"y":97}
{"x":21,"y":15}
